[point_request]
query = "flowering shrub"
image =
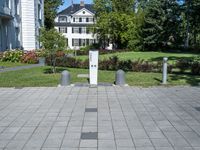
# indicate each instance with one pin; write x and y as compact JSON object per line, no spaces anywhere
{"x":30,"y":57}
{"x":12,"y":55}
{"x":41,"y":53}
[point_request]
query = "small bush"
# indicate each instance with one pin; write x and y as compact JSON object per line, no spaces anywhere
{"x":41,"y":53}
{"x":30,"y":57}
{"x":195,"y":68}
{"x":183,"y":65}
{"x":12,"y":55}
{"x":113,"y":63}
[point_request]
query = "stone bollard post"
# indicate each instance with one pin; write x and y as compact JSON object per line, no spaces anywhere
{"x":164,"y":81}
{"x":65,"y":78}
{"x":120,"y":78}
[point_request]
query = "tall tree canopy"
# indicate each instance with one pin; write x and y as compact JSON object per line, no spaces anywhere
{"x":50,"y":11}
{"x":113,"y":18}
{"x":148,"y":24}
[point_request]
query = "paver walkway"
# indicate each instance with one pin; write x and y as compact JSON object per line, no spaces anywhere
{"x":20,"y":67}
{"x":103,"y":118}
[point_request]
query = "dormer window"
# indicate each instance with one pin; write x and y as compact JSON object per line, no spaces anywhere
{"x":62,"y":19}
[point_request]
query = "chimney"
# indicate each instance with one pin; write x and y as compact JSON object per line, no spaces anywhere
{"x":82,"y":4}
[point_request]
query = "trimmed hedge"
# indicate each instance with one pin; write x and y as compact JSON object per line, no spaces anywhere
{"x":113,"y":63}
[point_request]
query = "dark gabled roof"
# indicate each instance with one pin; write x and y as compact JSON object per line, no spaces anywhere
{"x":76,"y":7}
{"x":67,"y":24}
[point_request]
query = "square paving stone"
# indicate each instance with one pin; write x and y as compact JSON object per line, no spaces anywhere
{"x":89,"y":135}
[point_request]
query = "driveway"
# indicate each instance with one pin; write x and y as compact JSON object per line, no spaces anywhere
{"x":103,"y":118}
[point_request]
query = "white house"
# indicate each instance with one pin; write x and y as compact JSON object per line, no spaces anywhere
{"x":75,"y":23}
{"x":20,"y":21}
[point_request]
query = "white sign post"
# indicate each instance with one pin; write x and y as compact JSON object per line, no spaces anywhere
{"x":93,"y":58}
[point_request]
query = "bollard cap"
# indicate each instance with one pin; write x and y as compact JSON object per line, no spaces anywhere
{"x":120,"y":71}
{"x":65,"y":72}
{"x":165,"y":59}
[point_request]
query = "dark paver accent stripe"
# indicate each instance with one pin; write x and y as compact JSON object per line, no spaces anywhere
{"x":89,"y":135}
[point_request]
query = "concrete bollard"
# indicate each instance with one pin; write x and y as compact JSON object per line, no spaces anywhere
{"x":164,"y":78}
{"x":120,"y":78}
{"x":65,"y":78}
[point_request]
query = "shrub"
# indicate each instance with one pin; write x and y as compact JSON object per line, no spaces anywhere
{"x":12,"y":55}
{"x":1,"y":56}
{"x":195,"y":68}
{"x":30,"y":57}
{"x":41,"y":53}
{"x":113,"y":63}
{"x":183,"y":65}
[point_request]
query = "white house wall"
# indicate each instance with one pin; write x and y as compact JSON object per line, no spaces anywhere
{"x":28,"y":24}
{"x":20,"y":24}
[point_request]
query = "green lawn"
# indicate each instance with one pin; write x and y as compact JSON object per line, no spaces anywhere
{"x":151,"y":56}
{"x":11,"y":64}
{"x":38,"y":77}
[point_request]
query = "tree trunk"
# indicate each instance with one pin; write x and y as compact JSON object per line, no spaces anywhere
{"x":187,"y":28}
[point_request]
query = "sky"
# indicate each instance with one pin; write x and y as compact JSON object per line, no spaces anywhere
{"x":69,"y":2}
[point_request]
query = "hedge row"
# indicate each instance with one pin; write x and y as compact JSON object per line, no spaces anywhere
{"x":113,"y":63}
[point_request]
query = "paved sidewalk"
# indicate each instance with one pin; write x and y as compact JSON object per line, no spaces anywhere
{"x":20,"y":67}
{"x":103,"y":118}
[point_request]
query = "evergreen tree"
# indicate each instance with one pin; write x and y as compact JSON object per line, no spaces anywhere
{"x":153,"y":28}
{"x":50,"y":11}
{"x":161,"y":23}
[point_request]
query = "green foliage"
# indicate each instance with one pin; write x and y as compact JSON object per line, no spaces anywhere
{"x":52,"y":42}
{"x":148,"y":24}
{"x":115,"y":20}
{"x":50,"y":11}
{"x":41,"y":53}
{"x":12,"y":55}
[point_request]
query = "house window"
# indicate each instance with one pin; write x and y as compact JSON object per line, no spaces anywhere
{"x":80,"y":19}
{"x":62,"y":19}
{"x":62,"y":29}
{"x":75,"y":42}
{"x":39,"y":12}
{"x":8,"y":3}
{"x":75,"y":30}
{"x":84,"y":30}
{"x":17,"y":11}
{"x":91,"y":19}
{"x":83,"y":42}
{"x":87,"y":19}
{"x":76,"y":19}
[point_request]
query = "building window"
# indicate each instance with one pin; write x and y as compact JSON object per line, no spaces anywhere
{"x":91,"y":19}
{"x":62,"y":19}
{"x":84,"y":30}
{"x":76,"y":19}
{"x":87,"y":19}
{"x":75,"y":30}
{"x":80,"y":19}
{"x":17,"y":11}
{"x":75,"y":42}
{"x":39,"y":12}
{"x":8,"y":3}
{"x":62,"y":29}
{"x":82,"y":42}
